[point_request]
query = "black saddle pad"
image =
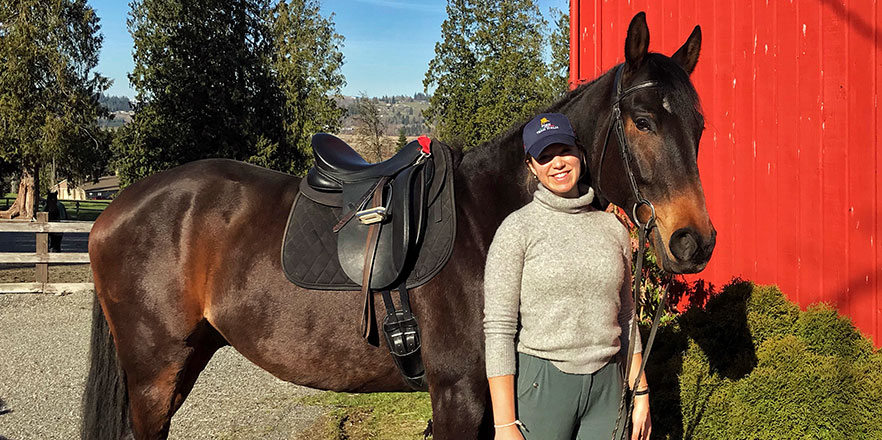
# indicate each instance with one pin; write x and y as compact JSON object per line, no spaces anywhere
{"x":310,"y":257}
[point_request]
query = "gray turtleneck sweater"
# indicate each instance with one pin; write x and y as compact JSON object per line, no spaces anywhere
{"x":557,"y":285}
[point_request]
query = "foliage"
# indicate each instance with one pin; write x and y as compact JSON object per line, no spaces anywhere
{"x":402,"y":140}
{"x":371,"y":128}
{"x":380,"y":416}
{"x":203,"y":82}
{"x":560,"y":52}
{"x":48,"y":90}
{"x":307,"y":60}
{"x":751,"y":365}
{"x":240,"y":79}
{"x":489,"y":70}
{"x":115,"y":103}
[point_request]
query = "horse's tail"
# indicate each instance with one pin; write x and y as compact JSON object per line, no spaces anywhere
{"x":105,"y":399}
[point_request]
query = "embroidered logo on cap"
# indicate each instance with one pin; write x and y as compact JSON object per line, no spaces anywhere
{"x":545,"y":124}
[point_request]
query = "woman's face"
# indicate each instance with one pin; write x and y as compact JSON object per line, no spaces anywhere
{"x":558,"y":168}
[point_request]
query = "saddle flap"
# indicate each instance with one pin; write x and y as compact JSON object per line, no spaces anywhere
{"x":403,"y":199}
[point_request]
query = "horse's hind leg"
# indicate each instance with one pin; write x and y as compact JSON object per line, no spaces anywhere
{"x":159,"y":383}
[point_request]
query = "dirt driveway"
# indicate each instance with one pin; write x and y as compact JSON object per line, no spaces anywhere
{"x":43,"y":365}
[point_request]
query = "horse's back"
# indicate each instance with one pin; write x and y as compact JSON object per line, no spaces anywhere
{"x":176,"y":220}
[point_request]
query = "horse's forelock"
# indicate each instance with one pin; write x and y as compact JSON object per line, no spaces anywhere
{"x":677,"y":89}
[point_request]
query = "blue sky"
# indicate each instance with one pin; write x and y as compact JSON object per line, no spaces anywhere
{"x":387,"y":46}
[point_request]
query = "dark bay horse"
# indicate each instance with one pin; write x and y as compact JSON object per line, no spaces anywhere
{"x":188,"y":260}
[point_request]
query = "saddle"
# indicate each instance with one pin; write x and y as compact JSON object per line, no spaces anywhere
{"x":374,"y":227}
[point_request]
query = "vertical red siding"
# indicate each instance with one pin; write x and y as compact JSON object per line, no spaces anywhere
{"x":789,"y":159}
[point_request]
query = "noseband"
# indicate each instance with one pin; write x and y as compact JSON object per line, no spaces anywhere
{"x":625,"y":149}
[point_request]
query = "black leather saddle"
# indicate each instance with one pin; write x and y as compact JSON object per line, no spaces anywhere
{"x":374,"y":227}
{"x":415,"y":234}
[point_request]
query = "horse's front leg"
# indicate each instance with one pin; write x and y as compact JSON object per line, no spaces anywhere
{"x":461,"y":409}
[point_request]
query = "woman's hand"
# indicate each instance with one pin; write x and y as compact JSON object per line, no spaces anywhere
{"x":640,"y":420}
{"x":509,"y":433}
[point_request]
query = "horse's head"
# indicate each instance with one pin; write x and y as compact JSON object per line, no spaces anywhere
{"x":661,"y":123}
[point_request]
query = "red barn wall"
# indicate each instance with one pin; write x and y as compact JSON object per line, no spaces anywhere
{"x":789,"y":159}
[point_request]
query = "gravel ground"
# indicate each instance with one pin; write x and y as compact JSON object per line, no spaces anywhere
{"x":43,"y":365}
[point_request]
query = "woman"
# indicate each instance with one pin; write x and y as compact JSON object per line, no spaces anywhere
{"x":558,"y":305}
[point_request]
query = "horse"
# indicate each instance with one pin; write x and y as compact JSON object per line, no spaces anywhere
{"x":186,"y":261}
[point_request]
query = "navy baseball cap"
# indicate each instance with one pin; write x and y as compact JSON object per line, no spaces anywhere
{"x":546,"y":129}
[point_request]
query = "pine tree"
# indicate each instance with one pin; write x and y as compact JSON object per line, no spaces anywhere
{"x":489,"y":70}
{"x":308,"y":61}
{"x":453,"y":74}
{"x":560,"y":52}
{"x":402,"y":139}
{"x":514,"y":78}
{"x":48,"y":94}
{"x":204,"y":84}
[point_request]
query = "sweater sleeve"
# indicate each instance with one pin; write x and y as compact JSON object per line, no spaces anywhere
{"x":502,"y":289}
{"x":627,"y":309}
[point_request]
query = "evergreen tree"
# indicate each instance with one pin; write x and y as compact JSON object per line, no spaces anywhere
{"x":308,"y":61}
{"x":454,"y":75}
{"x":204,"y":84}
{"x":489,"y":70}
{"x":402,"y":139}
{"x":48,"y":94}
{"x":560,"y":53}
{"x":514,"y":78}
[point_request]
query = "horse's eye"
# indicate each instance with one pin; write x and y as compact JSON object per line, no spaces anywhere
{"x":643,"y":124}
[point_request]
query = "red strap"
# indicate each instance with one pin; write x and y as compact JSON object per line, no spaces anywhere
{"x":426,"y":143}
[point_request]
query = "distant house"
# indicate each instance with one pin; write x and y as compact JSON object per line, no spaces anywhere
{"x":104,"y":189}
{"x":65,"y":192}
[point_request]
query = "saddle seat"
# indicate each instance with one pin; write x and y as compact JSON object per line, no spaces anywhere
{"x":336,"y":164}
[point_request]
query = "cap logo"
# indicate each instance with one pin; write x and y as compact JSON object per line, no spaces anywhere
{"x":545,"y":124}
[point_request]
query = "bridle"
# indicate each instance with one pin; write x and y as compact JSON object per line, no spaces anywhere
{"x":619,"y":127}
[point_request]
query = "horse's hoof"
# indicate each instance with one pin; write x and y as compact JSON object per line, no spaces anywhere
{"x":428,"y":432}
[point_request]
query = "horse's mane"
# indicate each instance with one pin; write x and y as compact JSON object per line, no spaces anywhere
{"x":675,"y":85}
{"x":513,"y":132}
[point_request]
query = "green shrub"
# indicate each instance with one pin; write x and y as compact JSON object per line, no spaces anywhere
{"x":751,"y":365}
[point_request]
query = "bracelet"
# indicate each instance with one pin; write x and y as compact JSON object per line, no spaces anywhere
{"x":516,"y":422}
{"x":642,"y":392}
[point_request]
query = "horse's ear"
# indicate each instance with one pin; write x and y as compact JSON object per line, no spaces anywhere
{"x":687,"y":55}
{"x":637,"y":42}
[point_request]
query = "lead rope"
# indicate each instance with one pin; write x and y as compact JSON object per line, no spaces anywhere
{"x":638,"y":281}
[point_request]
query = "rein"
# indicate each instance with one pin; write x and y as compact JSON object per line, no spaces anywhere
{"x":619,"y":127}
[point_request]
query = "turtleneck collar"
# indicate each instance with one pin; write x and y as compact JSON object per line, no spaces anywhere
{"x":563,"y":204}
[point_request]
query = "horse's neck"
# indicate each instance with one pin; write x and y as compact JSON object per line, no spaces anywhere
{"x":588,"y":110}
{"x":490,"y":185}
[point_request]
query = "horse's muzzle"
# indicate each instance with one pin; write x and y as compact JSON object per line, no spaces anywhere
{"x":690,"y":250}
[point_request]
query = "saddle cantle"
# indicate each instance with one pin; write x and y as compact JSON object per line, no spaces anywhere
{"x":374,"y":227}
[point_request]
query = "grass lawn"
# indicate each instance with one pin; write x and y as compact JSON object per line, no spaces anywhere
{"x":375,"y":416}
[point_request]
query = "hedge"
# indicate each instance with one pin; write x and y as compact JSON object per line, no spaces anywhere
{"x":751,"y":365}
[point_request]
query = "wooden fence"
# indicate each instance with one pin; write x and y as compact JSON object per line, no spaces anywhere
{"x":42,"y":258}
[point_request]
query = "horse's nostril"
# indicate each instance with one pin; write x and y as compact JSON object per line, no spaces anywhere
{"x":684,"y":244}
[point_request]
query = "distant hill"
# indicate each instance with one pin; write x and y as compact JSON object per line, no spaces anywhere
{"x":397,"y":112}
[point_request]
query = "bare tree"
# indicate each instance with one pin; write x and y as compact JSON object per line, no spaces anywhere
{"x":371,"y":129}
